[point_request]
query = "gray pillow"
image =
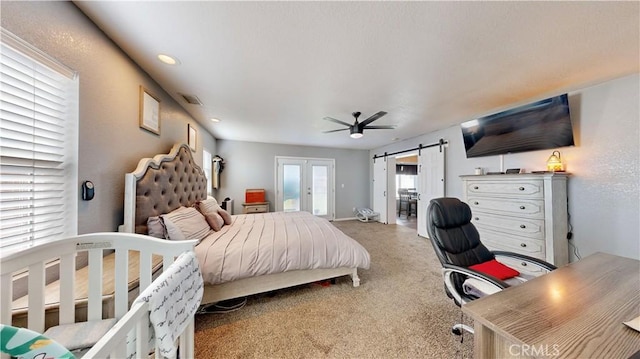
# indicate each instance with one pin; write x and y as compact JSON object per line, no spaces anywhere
{"x":156,"y":228}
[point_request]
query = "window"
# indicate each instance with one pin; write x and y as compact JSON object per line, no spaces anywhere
{"x":38,"y":145}
{"x":405,"y":181}
{"x":206,"y":167}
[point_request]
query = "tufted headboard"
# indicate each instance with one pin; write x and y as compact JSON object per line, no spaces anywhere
{"x":161,"y":184}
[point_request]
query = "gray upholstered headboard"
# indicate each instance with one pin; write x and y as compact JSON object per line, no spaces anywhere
{"x":161,"y":184}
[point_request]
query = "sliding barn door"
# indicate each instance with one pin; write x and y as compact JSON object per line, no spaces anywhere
{"x":384,"y":189}
{"x":430,"y":182}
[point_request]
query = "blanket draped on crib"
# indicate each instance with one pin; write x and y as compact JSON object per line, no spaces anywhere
{"x":173,"y":301}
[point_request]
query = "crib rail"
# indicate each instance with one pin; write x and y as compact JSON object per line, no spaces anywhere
{"x":33,"y":262}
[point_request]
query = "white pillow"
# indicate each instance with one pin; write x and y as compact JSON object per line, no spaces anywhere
{"x":185,"y":223}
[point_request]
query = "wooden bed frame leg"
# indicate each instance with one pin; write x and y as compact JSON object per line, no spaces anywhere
{"x":355,"y":278}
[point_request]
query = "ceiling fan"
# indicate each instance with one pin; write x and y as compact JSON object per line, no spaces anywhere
{"x":358,"y":127}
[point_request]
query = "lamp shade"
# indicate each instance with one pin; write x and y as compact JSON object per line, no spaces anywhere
{"x":554,"y":163}
{"x":356,"y":132}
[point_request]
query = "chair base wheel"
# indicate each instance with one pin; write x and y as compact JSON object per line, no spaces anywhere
{"x":459,"y":328}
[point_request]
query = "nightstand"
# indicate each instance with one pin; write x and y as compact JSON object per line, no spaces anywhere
{"x":255,"y":207}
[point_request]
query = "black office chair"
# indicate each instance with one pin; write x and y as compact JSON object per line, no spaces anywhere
{"x":457,"y":244}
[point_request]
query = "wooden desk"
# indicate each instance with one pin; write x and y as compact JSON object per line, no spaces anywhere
{"x":576,"y":311}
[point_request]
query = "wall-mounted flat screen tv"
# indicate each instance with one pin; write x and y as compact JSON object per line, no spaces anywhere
{"x":537,"y":126}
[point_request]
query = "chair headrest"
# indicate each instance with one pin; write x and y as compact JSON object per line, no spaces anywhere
{"x":449,"y":212}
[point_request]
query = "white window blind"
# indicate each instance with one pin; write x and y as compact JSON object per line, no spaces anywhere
{"x":38,"y":145}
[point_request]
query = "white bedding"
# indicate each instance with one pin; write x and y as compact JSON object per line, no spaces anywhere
{"x":274,"y":242}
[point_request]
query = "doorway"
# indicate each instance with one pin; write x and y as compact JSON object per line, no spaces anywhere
{"x":406,"y":178}
{"x":429,"y":184}
{"x":306,"y":184}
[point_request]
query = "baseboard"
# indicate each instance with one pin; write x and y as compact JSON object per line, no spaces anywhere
{"x":345,"y":219}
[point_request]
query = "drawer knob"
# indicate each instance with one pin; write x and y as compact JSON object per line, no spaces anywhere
{"x":477,"y":219}
{"x":523,"y":226}
{"x":476,"y":203}
{"x":475,"y":187}
{"x":524,"y":264}
{"x":521,"y":207}
{"x":521,"y":188}
{"x":523,"y":245}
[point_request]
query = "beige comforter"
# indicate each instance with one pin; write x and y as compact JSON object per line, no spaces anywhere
{"x":267,"y":243}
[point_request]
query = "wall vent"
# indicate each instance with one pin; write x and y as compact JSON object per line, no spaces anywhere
{"x":191,"y":99}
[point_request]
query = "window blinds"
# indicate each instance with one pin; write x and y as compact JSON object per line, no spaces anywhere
{"x":38,"y":145}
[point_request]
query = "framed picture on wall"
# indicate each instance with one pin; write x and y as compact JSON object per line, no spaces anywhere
{"x":192,"y":135}
{"x":149,"y":111}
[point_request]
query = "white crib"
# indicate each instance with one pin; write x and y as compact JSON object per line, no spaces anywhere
{"x":132,"y":322}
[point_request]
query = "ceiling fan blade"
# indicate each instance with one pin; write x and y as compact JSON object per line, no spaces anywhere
{"x":372,"y":118}
{"x":342,"y":129}
{"x":381,"y":127}
{"x":337,"y":121}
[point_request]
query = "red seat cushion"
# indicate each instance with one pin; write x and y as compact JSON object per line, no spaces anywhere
{"x":496,"y":269}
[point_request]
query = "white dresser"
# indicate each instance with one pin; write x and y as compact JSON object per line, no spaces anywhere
{"x":522,"y":213}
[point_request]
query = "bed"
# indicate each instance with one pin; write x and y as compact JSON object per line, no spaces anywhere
{"x":166,"y":182}
{"x":113,"y":323}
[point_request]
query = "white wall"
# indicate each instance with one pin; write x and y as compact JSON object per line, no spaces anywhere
{"x":603,"y":190}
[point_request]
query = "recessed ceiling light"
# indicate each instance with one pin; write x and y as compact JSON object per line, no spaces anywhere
{"x":169,"y":60}
{"x":215,"y":120}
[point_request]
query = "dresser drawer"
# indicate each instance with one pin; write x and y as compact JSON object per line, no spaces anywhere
{"x":521,"y":266}
{"x":519,"y":207}
{"x":504,"y":242}
{"x":523,"y":189}
{"x":256,"y":208}
{"x":532,"y":228}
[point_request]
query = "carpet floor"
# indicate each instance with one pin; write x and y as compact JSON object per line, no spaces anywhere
{"x":399,"y":311}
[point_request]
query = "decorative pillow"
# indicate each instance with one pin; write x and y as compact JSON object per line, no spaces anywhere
{"x":185,"y":223}
{"x":215,"y":221}
{"x":225,"y":215}
{"x":496,"y":269}
{"x":156,"y":228}
{"x":208,"y":206}
{"x":173,"y":232}
{"x":211,"y":206}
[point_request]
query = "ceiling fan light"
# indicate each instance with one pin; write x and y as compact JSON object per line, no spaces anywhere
{"x":355,"y":132}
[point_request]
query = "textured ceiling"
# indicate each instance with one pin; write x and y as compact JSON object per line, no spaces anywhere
{"x":270,"y":71}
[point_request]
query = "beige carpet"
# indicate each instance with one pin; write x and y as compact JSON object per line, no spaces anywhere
{"x":399,"y":311}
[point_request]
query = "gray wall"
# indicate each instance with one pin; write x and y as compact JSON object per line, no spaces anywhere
{"x":252,"y":165}
{"x":111,"y":142}
{"x":603,"y":190}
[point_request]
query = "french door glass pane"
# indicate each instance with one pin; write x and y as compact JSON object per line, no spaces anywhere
{"x":319,"y":190}
{"x":291,"y":187}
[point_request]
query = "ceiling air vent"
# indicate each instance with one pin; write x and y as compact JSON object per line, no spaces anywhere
{"x":192,"y":99}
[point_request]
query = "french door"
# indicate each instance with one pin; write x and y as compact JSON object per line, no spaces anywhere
{"x":306,"y":184}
